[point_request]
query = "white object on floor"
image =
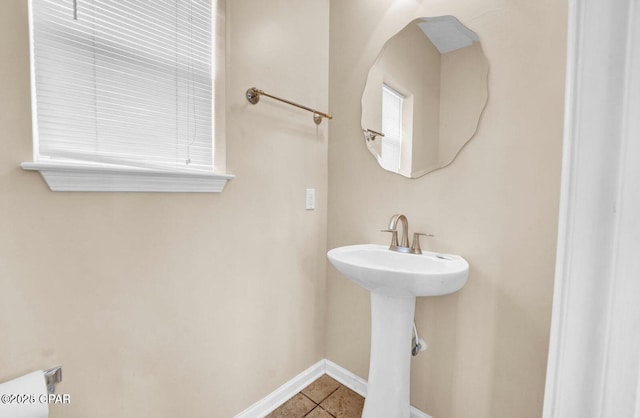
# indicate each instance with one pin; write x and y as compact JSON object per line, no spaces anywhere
{"x":25,"y":397}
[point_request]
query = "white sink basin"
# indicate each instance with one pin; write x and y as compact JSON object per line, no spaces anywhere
{"x":395,"y":279}
{"x":392,"y":273}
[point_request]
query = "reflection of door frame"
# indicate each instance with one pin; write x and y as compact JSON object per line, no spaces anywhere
{"x":594,"y":353}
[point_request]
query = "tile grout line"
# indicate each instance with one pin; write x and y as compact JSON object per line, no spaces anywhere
{"x":340,"y":386}
{"x":303,"y":394}
{"x":329,"y":395}
{"x":320,"y":406}
{"x":323,"y":399}
{"x":314,"y":402}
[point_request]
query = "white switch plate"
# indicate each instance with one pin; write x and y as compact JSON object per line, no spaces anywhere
{"x":311,"y":199}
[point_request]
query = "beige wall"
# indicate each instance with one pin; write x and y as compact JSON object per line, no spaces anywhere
{"x":175,"y":305}
{"x":463,"y":96}
{"x":496,"y":205}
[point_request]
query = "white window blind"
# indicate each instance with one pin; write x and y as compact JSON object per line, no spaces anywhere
{"x":125,"y":82}
{"x":392,"y":127}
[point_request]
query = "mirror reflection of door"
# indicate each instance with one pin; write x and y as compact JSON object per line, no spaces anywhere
{"x":425,"y":94}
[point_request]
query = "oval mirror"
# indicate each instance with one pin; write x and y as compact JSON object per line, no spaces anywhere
{"x":424,"y":96}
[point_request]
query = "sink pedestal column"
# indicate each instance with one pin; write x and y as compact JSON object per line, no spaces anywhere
{"x":391,"y":327}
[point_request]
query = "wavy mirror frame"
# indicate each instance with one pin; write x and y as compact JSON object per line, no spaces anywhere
{"x":393,"y":78}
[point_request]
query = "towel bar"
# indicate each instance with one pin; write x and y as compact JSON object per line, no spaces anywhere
{"x":253,"y":96}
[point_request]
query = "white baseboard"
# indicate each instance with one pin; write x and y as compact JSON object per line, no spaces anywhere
{"x":279,"y":396}
{"x":344,"y":376}
{"x":282,"y":394}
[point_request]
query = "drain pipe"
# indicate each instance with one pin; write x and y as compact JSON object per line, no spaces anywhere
{"x":417,"y":343}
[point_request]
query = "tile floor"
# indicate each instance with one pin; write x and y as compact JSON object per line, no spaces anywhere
{"x":324,"y":398}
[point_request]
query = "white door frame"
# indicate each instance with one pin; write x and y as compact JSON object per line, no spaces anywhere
{"x":594,"y":353}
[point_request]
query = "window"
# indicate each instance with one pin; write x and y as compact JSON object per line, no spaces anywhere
{"x":392,"y":103}
{"x":123,"y":94}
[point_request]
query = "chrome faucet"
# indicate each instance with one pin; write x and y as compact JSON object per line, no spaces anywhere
{"x":403,"y":246}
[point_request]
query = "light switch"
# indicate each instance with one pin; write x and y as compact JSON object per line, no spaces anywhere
{"x":311,"y":199}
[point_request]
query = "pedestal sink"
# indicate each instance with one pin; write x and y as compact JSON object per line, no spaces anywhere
{"x":394,"y":280}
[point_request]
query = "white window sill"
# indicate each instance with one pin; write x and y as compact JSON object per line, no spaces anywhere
{"x":71,"y":177}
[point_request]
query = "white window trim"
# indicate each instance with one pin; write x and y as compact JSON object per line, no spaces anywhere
{"x":90,"y":177}
{"x":78,"y":177}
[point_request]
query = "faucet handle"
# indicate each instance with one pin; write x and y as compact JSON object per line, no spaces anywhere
{"x":394,"y":236}
{"x":415,"y":246}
